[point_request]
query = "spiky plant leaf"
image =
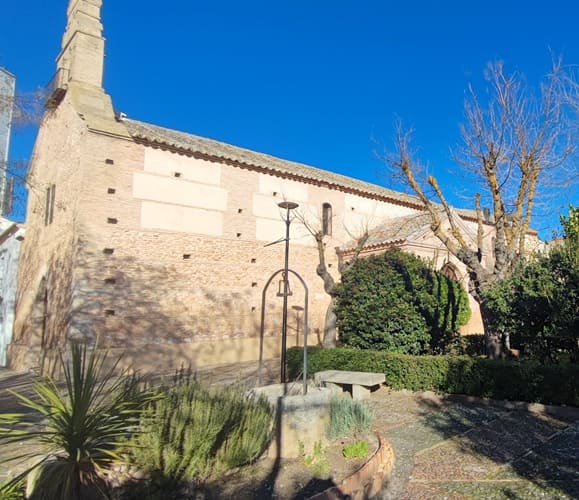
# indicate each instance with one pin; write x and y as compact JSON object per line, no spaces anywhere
{"x":82,"y":425}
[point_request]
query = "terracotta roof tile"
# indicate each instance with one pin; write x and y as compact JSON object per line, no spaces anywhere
{"x":394,"y":230}
{"x":189,"y":143}
{"x":409,"y":228}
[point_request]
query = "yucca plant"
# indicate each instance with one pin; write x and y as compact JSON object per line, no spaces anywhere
{"x":14,"y":491}
{"x":82,"y":426}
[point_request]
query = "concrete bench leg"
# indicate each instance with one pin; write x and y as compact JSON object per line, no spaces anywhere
{"x":335,"y":388}
{"x":360,"y":392}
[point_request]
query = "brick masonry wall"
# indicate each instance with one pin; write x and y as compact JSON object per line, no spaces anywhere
{"x":156,"y":292}
{"x":114,"y":274}
{"x":46,"y":259}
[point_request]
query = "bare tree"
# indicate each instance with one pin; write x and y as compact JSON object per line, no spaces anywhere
{"x":27,"y":108}
{"x":22,"y":110}
{"x":514,"y":144}
{"x":315,"y":226}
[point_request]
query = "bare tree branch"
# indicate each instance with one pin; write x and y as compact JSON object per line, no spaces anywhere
{"x":27,"y":108}
{"x":516,"y":143}
{"x":314,"y":225}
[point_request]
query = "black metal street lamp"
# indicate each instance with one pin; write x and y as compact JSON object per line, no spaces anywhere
{"x":287,"y":205}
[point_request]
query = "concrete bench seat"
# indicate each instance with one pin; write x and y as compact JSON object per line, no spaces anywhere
{"x":359,"y":383}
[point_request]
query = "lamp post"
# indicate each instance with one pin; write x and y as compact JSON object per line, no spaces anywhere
{"x":287,"y":205}
{"x":298,"y":310}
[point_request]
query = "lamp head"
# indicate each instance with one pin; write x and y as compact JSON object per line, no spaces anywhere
{"x":290,"y":205}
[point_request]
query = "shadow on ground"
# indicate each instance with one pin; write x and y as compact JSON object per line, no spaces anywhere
{"x":490,"y":449}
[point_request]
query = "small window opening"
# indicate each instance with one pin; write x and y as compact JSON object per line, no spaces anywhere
{"x":275,"y":193}
{"x":239,"y":235}
{"x":49,"y":211}
{"x":111,"y":191}
{"x":239,"y":210}
{"x":254,"y":284}
{"x":110,"y":281}
{"x":177,"y":174}
{"x":108,"y":251}
{"x":109,"y":161}
{"x":327,"y":219}
{"x":112,"y":220}
{"x":109,"y":312}
{"x":186,"y":256}
{"x":253,"y":261}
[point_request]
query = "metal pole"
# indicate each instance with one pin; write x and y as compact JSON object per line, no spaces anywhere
{"x":262,"y":327}
{"x":285,"y":293}
{"x":306,"y":319}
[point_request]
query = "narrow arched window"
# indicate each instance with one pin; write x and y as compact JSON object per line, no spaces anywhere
{"x":450,"y":271}
{"x":327,"y":219}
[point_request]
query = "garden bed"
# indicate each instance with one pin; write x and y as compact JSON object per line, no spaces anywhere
{"x":271,"y":478}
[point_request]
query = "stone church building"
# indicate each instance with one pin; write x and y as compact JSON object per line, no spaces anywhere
{"x":154,"y":242}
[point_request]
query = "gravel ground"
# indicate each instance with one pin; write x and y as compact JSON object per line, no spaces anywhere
{"x":451,"y":449}
{"x":446,"y":447}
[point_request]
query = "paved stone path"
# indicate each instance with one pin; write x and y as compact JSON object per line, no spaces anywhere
{"x":446,"y":448}
{"x":450,"y":448}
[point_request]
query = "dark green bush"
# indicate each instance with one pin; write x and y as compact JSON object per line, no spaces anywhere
{"x":536,"y":306}
{"x":467,"y":345}
{"x":515,"y":381}
{"x":394,"y":301}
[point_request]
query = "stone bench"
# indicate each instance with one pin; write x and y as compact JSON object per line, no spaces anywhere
{"x":359,"y":383}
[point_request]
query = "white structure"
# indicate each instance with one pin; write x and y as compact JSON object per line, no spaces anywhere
{"x":11,"y":236}
{"x":7,"y":89}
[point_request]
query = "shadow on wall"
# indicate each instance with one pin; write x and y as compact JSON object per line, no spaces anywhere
{"x":159,"y":316}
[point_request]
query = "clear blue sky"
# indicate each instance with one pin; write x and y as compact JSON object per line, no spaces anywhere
{"x":311,"y":81}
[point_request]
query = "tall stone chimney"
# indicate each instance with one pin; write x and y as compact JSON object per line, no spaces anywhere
{"x":79,"y":68}
{"x":83,"y":47}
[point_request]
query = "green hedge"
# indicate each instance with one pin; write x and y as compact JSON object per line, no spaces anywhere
{"x":511,"y":380}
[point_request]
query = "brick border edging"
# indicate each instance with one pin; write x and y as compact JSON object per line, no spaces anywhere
{"x":368,"y":480}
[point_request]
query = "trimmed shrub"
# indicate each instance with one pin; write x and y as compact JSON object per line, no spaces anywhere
{"x":516,"y":381}
{"x":396,"y":302}
{"x":467,"y":345}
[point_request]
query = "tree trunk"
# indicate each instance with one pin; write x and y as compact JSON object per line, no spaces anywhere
{"x":493,"y":341}
{"x":330,"y":335}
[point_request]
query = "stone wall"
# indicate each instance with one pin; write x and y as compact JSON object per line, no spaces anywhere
{"x":164,"y":255}
{"x":48,"y":251}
